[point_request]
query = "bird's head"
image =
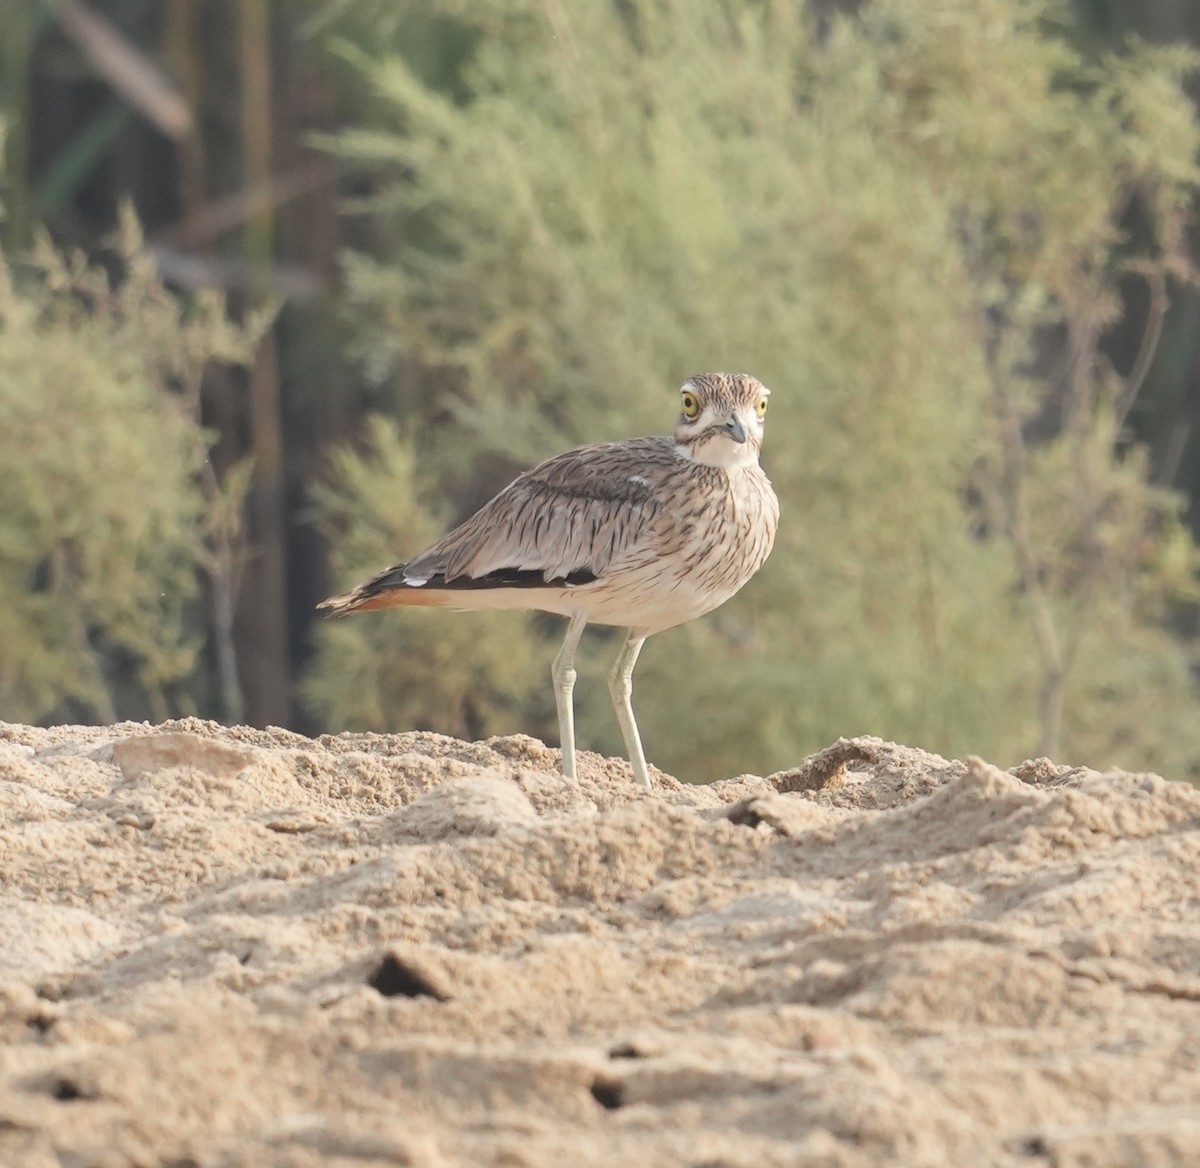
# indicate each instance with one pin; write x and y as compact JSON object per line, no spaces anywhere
{"x":721,"y":418}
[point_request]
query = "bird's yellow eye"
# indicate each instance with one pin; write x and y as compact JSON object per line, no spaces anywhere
{"x":761,"y":408}
{"x":691,"y":404}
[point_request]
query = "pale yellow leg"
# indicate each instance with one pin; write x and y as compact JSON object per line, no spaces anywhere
{"x":564,"y":691}
{"x":620,"y":685}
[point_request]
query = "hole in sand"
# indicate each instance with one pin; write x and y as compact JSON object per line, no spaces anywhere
{"x":625,"y":1050}
{"x":67,"y":1090}
{"x":744,"y":814}
{"x":394,"y":979}
{"x":608,"y":1093}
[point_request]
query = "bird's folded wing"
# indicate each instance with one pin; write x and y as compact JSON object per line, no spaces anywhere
{"x":568,"y":519}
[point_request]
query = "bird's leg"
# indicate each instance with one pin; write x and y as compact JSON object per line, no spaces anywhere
{"x":620,"y":685}
{"x":564,"y":689}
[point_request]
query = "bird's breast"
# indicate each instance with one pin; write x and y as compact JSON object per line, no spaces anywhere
{"x":715,"y":544}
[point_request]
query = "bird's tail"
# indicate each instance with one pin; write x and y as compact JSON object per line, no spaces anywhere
{"x":387,"y":590}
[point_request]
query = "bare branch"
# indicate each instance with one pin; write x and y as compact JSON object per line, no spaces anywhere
{"x":127,"y":69}
{"x":1159,"y":303}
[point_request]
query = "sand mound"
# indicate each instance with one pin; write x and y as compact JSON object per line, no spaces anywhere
{"x":233,"y":947}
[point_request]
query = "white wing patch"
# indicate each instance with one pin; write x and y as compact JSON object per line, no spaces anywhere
{"x":415,"y":582}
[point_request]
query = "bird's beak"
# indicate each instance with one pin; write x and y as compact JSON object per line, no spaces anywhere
{"x":736,"y":430}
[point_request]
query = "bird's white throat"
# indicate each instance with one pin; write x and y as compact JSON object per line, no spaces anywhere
{"x":718,"y":451}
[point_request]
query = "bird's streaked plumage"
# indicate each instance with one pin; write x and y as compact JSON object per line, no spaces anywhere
{"x":645,"y":533}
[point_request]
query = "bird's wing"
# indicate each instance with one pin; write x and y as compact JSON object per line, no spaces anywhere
{"x":565,"y":520}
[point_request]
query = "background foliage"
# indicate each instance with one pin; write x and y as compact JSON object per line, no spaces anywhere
{"x":105,"y":513}
{"x":955,"y":238}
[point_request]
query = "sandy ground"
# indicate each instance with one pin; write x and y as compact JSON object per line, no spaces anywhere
{"x":235,"y":947}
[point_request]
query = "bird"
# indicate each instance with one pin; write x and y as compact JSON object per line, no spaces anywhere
{"x":644,"y":534}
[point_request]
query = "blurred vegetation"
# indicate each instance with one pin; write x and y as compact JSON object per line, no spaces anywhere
{"x":108,"y":522}
{"x":955,"y":238}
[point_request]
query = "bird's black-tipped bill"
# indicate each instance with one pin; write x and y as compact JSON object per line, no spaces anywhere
{"x":736,"y":430}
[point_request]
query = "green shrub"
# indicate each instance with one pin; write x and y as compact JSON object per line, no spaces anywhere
{"x":104,"y":515}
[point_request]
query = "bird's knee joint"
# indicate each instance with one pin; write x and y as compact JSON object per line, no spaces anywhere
{"x":565,"y":679}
